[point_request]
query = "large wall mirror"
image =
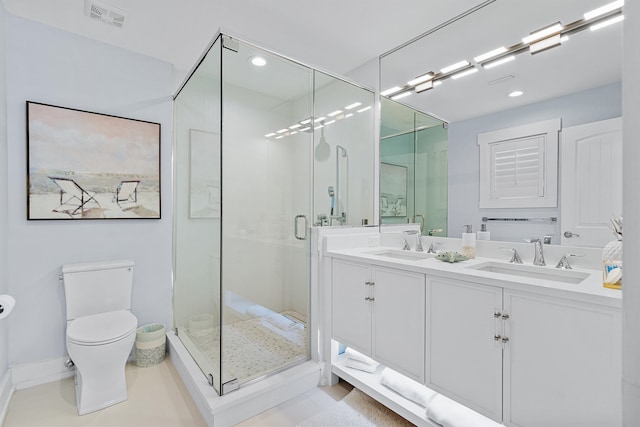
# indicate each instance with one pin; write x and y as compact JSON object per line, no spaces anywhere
{"x":505,"y":66}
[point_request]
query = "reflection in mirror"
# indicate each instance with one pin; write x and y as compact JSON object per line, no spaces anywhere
{"x":576,"y":78}
{"x":413,"y":168}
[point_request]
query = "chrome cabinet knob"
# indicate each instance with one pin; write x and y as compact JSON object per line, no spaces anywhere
{"x":569,"y":234}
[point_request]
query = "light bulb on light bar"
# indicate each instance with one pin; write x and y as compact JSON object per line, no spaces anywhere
{"x":606,"y":23}
{"x":540,"y":34}
{"x":497,"y":62}
{"x":423,"y":78}
{"x":604,"y":9}
{"x":319,"y":119}
{"x":401,"y":95}
{"x":305,"y":122}
{"x":352,"y":106}
{"x":545,"y":44}
{"x":424,"y":86}
{"x":490,"y":54}
{"x":296,"y":126}
{"x":454,"y":67}
{"x":390,"y":91}
{"x":305,"y":129}
{"x":334,"y":113}
{"x":282,"y":130}
{"x":464,"y":73}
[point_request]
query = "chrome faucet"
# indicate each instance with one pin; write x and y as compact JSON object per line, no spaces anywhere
{"x":538,"y":256}
{"x":564,"y":261}
{"x":419,"y":247}
{"x":515,"y":256}
{"x":432,"y":247}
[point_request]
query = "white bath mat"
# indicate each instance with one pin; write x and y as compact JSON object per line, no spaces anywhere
{"x":356,"y":410}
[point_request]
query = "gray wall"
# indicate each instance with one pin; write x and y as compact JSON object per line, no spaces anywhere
{"x":4,"y":288}
{"x":56,"y":67}
{"x":464,"y":168}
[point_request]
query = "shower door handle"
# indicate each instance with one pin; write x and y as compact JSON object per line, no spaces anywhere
{"x":296,"y":223}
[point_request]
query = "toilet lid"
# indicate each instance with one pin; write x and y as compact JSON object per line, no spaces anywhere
{"x":102,"y":328}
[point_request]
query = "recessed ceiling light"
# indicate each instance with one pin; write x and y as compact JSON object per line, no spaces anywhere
{"x":258,"y":61}
{"x":516,"y":93}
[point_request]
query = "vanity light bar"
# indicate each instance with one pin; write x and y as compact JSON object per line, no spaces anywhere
{"x":319,"y":119}
{"x":454,"y":67}
{"x":490,"y":54}
{"x":606,"y":23}
{"x":497,"y":62}
{"x":306,"y":122}
{"x":545,"y":44}
{"x":543,"y":33}
{"x":282,"y":130}
{"x":423,"y":78}
{"x":603,"y":10}
{"x":424,"y":87}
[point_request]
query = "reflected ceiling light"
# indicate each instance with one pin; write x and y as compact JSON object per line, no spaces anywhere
{"x":294,"y":132}
{"x":454,"y":67}
{"x":490,"y":54}
{"x":282,"y":130}
{"x":258,"y":61}
{"x":465,"y":73}
{"x":424,"y":86}
{"x":500,"y":61}
{"x":423,"y":78}
{"x":269,"y":135}
{"x":334,"y":113}
{"x":304,"y":122}
{"x":564,"y":39}
{"x":296,"y":126}
{"x":401,"y":95}
{"x":545,"y":44}
{"x":348,"y":115}
{"x":318,"y":127}
{"x":390,"y":91}
{"x":352,"y":106}
{"x":543,"y":33}
{"x":279,"y":137}
{"x":329,"y":122}
{"x":364,"y":109}
{"x":606,"y":23}
{"x":437,"y":83}
{"x":603,"y":10}
{"x":305,"y":129}
{"x":319,"y":119}
{"x":516,"y":93}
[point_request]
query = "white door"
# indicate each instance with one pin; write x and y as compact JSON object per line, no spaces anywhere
{"x":591,"y":182}
{"x":464,"y":353}
{"x":399,"y":320}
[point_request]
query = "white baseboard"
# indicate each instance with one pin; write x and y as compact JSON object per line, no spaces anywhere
{"x":32,"y":374}
{"x":6,"y":391}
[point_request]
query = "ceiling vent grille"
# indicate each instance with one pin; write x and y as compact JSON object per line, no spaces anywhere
{"x":104,"y":12}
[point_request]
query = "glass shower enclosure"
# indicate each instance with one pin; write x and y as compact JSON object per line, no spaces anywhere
{"x":248,"y":124}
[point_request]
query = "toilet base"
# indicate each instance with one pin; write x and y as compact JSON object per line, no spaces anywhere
{"x":100,"y":374}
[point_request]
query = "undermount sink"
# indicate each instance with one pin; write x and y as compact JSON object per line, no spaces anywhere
{"x":405,"y":255}
{"x":534,"y":272}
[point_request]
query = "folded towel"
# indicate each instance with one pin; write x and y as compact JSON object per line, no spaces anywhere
{"x":449,"y":413}
{"x":366,"y":367}
{"x":258,"y":310}
{"x":407,"y":387}
{"x":352,"y":354}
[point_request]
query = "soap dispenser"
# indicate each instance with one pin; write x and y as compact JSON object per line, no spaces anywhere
{"x":483,"y":234}
{"x":469,"y":242}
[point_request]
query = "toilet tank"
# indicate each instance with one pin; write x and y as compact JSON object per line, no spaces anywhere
{"x":97,"y":287}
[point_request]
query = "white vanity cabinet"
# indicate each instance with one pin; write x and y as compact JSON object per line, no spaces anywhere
{"x":524,"y":359}
{"x":380,"y":312}
{"x":562,"y":364}
{"x":463,"y":360}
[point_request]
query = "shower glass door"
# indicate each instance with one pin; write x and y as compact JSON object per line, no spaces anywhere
{"x":267,"y":143}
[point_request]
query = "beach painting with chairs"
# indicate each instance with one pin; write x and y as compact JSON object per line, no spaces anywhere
{"x":84,"y":165}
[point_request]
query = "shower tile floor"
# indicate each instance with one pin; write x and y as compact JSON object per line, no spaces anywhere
{"x":254,"y":347}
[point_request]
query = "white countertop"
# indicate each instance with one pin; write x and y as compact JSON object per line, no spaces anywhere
{"x":589,"y":290}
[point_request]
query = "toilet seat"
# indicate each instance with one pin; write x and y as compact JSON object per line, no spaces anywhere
{"x":102,"y":328}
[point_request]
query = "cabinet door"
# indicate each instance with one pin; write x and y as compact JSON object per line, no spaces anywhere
{"x":562,"y":362}
{"x":399,"y":320}
{"x":351,"y":312}
{"x":463,"y":361}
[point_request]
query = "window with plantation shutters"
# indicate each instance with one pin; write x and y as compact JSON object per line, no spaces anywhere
{"x":519,"y":166}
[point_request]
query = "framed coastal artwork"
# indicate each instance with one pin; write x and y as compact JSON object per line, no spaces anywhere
{"x":85,"y":165}
{"x":393,"y":190}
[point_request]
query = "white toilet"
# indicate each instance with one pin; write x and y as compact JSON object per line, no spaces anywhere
{"x":100,"y":330}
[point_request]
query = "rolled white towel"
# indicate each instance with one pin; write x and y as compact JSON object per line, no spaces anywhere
{"x":355,"y":355}
{"x":366,"y":367}
{"x":407,"y":387}
{"x":449,"y":413}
